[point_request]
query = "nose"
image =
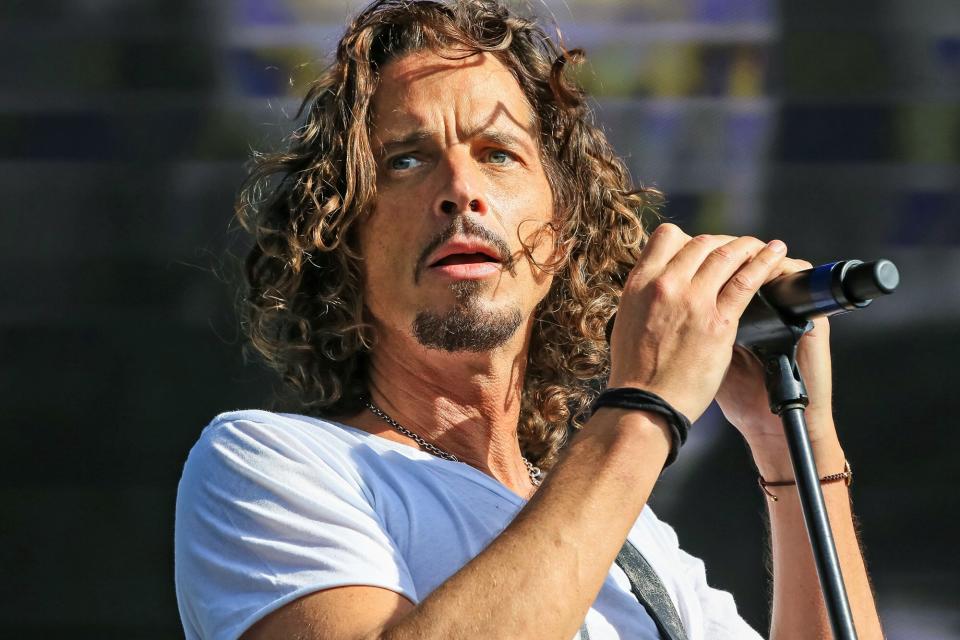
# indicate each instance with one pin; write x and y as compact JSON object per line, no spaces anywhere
{"x":462,"y":188}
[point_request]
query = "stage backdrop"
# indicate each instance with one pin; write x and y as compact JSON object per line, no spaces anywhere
{"x":124,"y":127}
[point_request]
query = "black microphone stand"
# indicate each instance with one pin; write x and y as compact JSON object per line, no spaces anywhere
{"x":771,"y":327}
{"x":774,"y":341}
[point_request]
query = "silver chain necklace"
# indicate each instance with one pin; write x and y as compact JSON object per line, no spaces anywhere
{"x":536,"y":476}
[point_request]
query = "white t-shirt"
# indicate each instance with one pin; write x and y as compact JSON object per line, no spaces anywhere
{"x":272,"y":507}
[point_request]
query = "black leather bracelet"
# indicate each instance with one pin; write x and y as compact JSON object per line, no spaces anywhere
{"x":639,"y":400}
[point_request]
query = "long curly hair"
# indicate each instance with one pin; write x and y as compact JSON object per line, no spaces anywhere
{"x":304,"y":308}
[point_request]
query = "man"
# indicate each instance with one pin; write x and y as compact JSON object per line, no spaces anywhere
{"x":436,"y":258}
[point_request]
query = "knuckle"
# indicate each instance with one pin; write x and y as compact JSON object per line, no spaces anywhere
{"x":665,"y":229}
{"x":742,"y":283}
{"x":663,"y":288}
{"x":723,"y":253}
{"x":768,"y":259}
{"x":703,"y":239}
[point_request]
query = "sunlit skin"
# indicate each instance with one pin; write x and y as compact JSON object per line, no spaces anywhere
{"x":460,"y":131}
{"x":451,"y":133}
{"x":453,"y":138}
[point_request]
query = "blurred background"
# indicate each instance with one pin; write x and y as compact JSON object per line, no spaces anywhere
{"x":124,"y":128}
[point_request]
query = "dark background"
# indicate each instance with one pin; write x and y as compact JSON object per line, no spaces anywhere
{"x":124,"y":127}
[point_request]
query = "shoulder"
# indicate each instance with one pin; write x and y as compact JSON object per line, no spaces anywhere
{"x":270,"y":507}
{"x":277,"y":458}
{"x":237,"y":439}
{"x":277,"y":429}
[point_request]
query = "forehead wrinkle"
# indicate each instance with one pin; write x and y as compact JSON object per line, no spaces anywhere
{"x":494,"y":124}
{"x":422,"y":72}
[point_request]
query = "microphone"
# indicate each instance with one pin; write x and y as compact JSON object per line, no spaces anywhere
{"x":796,"y":298}
{"x":830,"y":289}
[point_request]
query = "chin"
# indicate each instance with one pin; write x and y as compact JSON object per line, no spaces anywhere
{"x":466,"y":326}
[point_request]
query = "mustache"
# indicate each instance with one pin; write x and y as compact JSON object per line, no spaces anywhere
{"x":468,"y":228}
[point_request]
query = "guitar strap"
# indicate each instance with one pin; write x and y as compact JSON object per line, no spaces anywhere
{"x":650,"y":592}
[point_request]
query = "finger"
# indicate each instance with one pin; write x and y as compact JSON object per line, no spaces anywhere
{"x":724,"y":261}
{"x":688,"y":260}
{"x":744,"y":284}
{"x":663,"y":244}
{"x":788,"y":266}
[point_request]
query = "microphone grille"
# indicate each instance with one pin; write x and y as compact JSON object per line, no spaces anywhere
{"x":867,"y":280}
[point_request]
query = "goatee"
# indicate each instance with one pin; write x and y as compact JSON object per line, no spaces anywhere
{"x":466,"y":326}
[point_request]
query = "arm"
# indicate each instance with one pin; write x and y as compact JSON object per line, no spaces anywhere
{"x":798,"y":607}
{"x":554,"y":555}
{"x":674,"y":335}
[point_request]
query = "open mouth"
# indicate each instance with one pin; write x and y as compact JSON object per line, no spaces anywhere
{"x":467,"y":259}
{"x":464,"y":258}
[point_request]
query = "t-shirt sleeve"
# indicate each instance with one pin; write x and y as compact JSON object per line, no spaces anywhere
{"x":716,"y":616}
{"x":721,"y":620}
{"x":263,"y":518}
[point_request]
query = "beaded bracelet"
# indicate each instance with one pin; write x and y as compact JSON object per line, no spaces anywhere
{"x":846,"y":475}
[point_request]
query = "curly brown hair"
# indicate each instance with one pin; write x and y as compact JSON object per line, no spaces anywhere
{"x":304,"y":309}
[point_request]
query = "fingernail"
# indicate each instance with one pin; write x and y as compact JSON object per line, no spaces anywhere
{"x":776,"y":246}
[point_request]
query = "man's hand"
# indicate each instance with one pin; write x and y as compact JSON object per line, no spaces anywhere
{"x":678,"y":318}
{"x":674,"y":335}
{"x":743,"y":399}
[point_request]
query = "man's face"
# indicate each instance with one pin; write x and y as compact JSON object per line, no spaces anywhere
{"x":460,"y":187}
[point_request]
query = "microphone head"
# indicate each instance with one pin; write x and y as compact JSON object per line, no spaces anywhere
{"x":867,"y":280}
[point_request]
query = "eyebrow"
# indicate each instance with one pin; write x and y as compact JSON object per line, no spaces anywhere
{"x":413,"y":138}
{"x":502,"y":138}
{"x":409,"y":140}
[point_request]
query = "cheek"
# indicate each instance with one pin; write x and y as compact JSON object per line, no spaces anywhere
{"x":539,"y":238}
{"x":387,"y":243}
{"x":380,"y":277}
{"x":373,"y":249}
{"x":536,"y":228}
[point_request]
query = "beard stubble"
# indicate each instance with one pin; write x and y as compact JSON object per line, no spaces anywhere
{"x":466,"y":326}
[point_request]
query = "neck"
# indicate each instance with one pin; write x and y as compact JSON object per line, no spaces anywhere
{"x":467,"y":404}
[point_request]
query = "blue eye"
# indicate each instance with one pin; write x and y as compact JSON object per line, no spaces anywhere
{"x":404,"y":163}
{"x":499,"y":157}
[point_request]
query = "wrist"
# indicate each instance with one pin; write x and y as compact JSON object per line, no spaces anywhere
{"x":772,"y":457}
{"x":635,"y":419}
{"x":648,"y":425}
{"x":647,"y":402}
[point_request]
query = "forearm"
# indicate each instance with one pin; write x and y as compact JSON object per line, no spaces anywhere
{"x":539,"y":577}
{"x":798,"y":606}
